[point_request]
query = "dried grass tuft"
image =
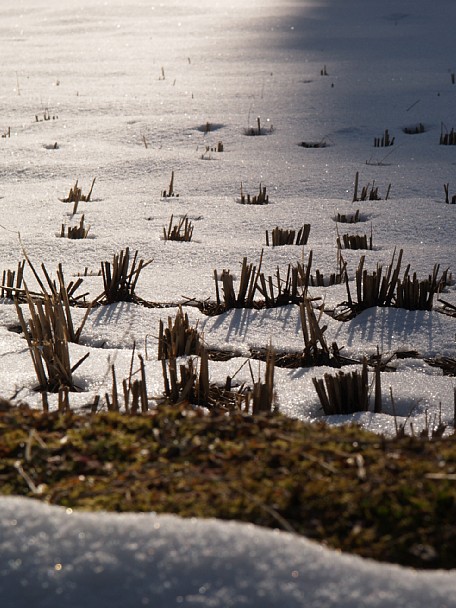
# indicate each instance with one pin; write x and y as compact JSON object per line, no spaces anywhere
{"x":316,"y":350}
{"x":261,"y":400}
{"x":75,"y":232}
{"x":447,"y":138}
{"x":120,"y":278}
{"x":56,"y":289}
{"x":170,"y":192}
{"x":189,"y":383}
{"x":209,"y":150}
{"x":48,"y":333}
{"x":181,"y":383}
{"x":258,"y":129}
{"x":182,"y":231}
{"x":12,"y":281}
{"x":248,"y":285}
{"x":379,"y":288}
{"x":275,"y":290}
{"x":355,"y":241}
{"x":75,"y":194}
{"x":376,"y":288}
{"x":314,"y":144}
{"x":278,"y":291}
{"x":414,"y":129}
{"x":369,"y":192}
{"x":178,"y":339}
{"x":344,"y":393}
{"x":413,"y":294}
{"x":46,"y":116}
{"x":335,"y":278}
{"x":283,"y":236}
{"x":446,"y":187}
{"x":385,"y":141}
{"x":348,"y":218}
{"x":134,"y":398}
{"x":257,"y":199}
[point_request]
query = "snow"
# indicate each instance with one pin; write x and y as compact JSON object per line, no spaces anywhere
{"x":53,"y":556}
{"x":116,"y":75}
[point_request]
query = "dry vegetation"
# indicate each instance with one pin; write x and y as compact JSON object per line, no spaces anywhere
{"x":284,"y":236}
{"x":392,"y":500}
{"x":75,"y":232}
{"x":75,"y":194}
{"x":384,"y":141}
{"x":180,"y":231}
{"x":170,"y":192}
{"x":257,"y":199}
{"x":120,"y":277}
{"x":368,"y":192}
{"x":202,"y":448}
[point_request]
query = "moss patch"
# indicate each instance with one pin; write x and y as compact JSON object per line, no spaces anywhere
{"x":391,"y":500}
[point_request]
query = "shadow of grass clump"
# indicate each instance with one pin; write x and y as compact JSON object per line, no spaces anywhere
{"x":390,"y":500}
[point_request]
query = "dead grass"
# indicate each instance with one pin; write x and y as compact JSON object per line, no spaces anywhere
{"x":75,"y":232}
{"x":355,"y":241}
{"x":284,"y":236}
{"x":48,"y":331}
{"x":414,"y":129}
{"x":244,"y":298}
{"x":314,"y":144}
{"x":376,"y":288}
{"x":75,"y":194}
{"x":384,"y":141}
{"x":447,"y":138}
{"x":258,"y":130}
{"x":368,"y":192}
{"x":348,"y":218}
{"x":448,"y":201}
{"x":170,"y":192}
{"x":415,"y":294}
{"x":257,"y":199}
{"x":344,"y":393}
{"x":385,"y":288}
{"x":181,"y":231}
{"x":178,"y":338}
{"x":120,"y":277}
{"x":12,"y":281}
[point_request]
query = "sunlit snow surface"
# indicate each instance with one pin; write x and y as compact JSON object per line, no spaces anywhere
{"x":116,"y":76}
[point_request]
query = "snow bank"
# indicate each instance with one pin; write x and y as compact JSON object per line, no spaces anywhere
{"x":53,"y":557}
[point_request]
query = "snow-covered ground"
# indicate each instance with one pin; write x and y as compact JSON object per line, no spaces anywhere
{"x":129,"y":87}
{"x":52,"y":557}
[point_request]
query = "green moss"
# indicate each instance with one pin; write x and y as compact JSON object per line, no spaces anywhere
{"x":390,"y":500}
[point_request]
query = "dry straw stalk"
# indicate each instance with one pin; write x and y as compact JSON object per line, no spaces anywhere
{"x":283,"y":236}
{"x":182,"y":231}
{"x":344,"y":393}
{"x":178,"y":339}
{"x":75,"y":232}
{"x":48,"y":333}
{"x":120,"y":278}
{"x":75,"y":194}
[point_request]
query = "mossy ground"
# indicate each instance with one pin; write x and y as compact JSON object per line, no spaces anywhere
{"x":391,"y":500}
